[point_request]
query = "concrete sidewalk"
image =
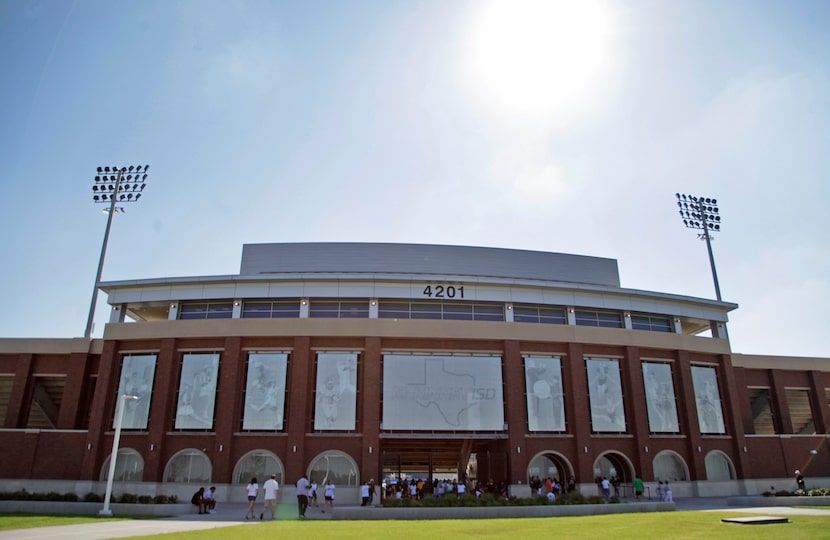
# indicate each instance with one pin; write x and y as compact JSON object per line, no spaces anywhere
{"x":230,"y":514}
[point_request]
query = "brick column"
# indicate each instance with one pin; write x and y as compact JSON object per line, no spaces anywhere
{"x":370,"y":414}
{"x":162,"y":410}
{"x":578,"y":408}
{"x":735,"y":397}
{"x":635,"y":413}
{"x":103,"y":410}
{"x":298,"y":409}
{"x":516,"y":414}
{"x":229,"y":409}
{"x":687,"y":415}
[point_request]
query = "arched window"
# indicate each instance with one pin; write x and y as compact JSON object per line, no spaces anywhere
{"x":129,"y":467}
{"x":259,"y":464}
{"x":669,"y":466}
{"x":549,"y":465}
{"x":335,"y":466}
{"x":719,"y":467}
{"x":188,"y":466}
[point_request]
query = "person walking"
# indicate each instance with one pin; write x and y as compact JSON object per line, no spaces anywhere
{"x":252,"y":489}
{"x":328,"y":494}
{"x":799,"y":480}
{"x":272,"y":491}
{"x":606,"y":488}
{"x":638,"y":487}
{"x":302,"y":495}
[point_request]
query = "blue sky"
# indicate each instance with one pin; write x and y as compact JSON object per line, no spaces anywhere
{"x":547,"y":127}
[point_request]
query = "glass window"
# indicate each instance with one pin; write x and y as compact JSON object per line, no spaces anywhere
{"x":321,"y":309}
{"x":288,"y":309}
{"x":339,"y":310}
{"x":335,"y":466}
{"x":451,"y":311}
{"x":336,"y":392}
{"x":660,"y":401}
{"x":801,"y":413}
{"x":718,"y":467}
{"x":137,"y":375}
{"x":605,"y":395}
{"x":603,"y":319}
{"x":206,"y":310}
{"x":545,"y":396}
{"x":707,"y":399}
{"x":542,"y":466}
{"x":539,"y":314}
{"x":129,"y":467}
{"x":265,"y":391}
{"x":354,"y":310}
{"x":458,"y":312}
{"x":651,"y":323}
{"x":188,"y":466}
{"x":197,"y":391}
{"x":760,"y":405}
{"x":425,"y":311}
{"x":259,"y":464}
{"x":488,"y":312}
{"x":393,"y":310}
{"x":669,"y":466}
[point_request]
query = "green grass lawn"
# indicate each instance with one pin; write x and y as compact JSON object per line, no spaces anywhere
{"x":664,"y":525}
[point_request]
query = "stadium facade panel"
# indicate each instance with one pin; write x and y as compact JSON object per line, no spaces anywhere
{"x":389,"y":361}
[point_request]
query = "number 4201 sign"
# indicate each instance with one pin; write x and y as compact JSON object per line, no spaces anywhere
{"x":444,"y":291}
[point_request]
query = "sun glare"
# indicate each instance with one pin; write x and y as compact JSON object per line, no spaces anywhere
{"x":539,"y":56}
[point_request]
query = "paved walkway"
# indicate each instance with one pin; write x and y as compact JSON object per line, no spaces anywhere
{"x":230,"y":514}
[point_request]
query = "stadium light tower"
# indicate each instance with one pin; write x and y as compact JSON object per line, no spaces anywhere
{"x":702,"y":213}
{"x":113,"y":186}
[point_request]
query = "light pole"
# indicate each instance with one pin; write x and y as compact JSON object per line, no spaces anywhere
{"x":702,"y":213}
{"x":113,"y":186}
{"x":119,"y":418}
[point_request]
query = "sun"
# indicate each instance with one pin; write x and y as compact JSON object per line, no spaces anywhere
{"x":538,"y":56}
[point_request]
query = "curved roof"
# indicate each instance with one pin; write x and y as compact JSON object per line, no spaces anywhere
{"x":428,"y":259}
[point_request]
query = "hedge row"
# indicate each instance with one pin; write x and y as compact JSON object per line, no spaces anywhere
{"x":24,"y":495}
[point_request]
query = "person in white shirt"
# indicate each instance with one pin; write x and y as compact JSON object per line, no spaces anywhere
{"x":252,"y":489}
{"x":312,"y":494}
{"x":302,"y":494}
{"x":328,"y":494}
{"x":364,"y":493}
{"x":209,"y":498}
{"x":272,"y":491}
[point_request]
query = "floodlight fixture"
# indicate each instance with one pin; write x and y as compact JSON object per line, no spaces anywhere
{"x":702,"y":213}
{"x":110,"y":189}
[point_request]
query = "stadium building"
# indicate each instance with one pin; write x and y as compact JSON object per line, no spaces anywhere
{"x":349,"y":361}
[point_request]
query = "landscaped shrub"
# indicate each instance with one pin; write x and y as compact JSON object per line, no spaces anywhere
{"x":52,"y":496}
{"x":93,"y":497}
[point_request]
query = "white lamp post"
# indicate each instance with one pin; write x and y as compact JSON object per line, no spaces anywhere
{"x":119,"y":418}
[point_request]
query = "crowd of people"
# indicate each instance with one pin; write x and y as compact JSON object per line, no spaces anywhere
{"x":417,"y":488}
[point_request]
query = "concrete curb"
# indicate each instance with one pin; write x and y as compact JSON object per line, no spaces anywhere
{"x":484,"y":512}
{"x":778,"y":501}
